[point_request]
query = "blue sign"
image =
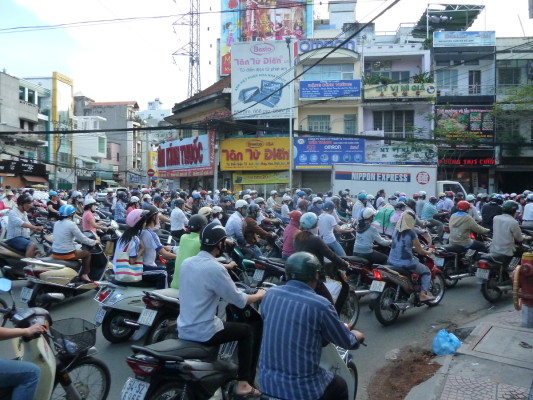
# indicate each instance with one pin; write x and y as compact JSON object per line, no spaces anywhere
{"x":330,"y":89}
{"x":322,"y":152}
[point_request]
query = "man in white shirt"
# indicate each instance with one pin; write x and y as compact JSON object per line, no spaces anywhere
{"x":178,"y":219}
{"x":326,"y":227}
{"x":527,"y":214}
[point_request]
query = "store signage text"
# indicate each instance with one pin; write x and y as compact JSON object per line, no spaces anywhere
{"x":307,"y":45}
{"x":246,"y":154}
{"x":467,"y":161}
{"x":422,"y":90}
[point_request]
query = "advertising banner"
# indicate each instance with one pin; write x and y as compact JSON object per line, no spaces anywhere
{"x":323,"y":152}
{"x":464,"y":39}
{"x":188,"y":157}
{"x":250,"y":178}
{"x":469,"y":158}
{"x":401,"y":154}
{"x":22,"y":168}
{"x":260,"y":20}
{"x":313,"y":44}
{"x":407,"y":90}
{"x":254,"y":154}
{"x":458,"y":122}
{"x":330,"y":89}
{"x":260,"y":70}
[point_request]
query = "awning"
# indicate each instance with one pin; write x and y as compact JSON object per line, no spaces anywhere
{"x":109,"y":182}
{"x":86,"y":160}
{"x":37,"y":179}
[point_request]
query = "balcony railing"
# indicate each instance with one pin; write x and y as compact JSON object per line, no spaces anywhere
{"x":466,"y":90}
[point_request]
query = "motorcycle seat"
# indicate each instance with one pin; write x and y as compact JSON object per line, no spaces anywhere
{"x":489,"y":257}
{"x":278,"y":261}
{"x":400,"y":270}
{"x":142,"y":284}
{"x":6,"y":246}
{"x":356,"y":260}
{"x":455,"y":248}
{"x":74,"y":264}
{"x":178,"y":350}
{"x":169,"y":294}
{"x":123,"y":227}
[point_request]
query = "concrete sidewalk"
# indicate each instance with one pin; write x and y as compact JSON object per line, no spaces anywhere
{"x":495,"y":361}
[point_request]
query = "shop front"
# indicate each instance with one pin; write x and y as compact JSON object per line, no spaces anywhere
{"x":18,"y":174}
{"x":474,"y":169}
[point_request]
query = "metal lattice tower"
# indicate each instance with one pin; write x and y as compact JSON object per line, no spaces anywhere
{"x":192,"y":49}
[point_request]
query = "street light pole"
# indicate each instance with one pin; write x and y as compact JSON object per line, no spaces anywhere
{"x":291,"y":108}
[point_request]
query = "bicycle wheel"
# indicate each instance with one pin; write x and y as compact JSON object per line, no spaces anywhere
{"x":90,"y":377}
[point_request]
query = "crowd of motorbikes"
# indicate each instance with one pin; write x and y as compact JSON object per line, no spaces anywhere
{"x":166,"y":367}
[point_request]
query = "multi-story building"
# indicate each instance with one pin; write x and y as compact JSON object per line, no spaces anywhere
{"x":23,"y":153}
{"x":89,"y":149}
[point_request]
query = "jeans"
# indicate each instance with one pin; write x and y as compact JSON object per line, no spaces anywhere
{"x":256,"y":250}
{"x":423,"y":272}
{"x":337,"y":248}
{"x":439,"y":225}
{"x":336,"y":390}
{"x":19,"y":243}
{"x":22,"y":376}
{"x":177,"y":234}
{"x":478,"y":246}
{"x":374,"y":258}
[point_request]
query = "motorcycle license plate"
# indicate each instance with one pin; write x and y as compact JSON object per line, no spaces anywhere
{"x":147,"y":317}
{"x":25,"y":294}
{"x":377,"y":286}
{"x":482,"y":273}
{"x":99,"y":317}
{"x":439,"y":261}
{"x":134,"y":389}
{"x":446,"y":236}
{"x":258,"y":275}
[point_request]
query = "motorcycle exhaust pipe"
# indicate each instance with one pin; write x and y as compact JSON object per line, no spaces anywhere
{"x":363,"y":292}
{"x":459,"y":276}
{"x":131,"y":324}
{"x":505,"y":288}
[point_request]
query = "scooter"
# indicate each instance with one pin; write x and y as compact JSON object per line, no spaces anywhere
{"x":50,"y":275}
{"x":63,"y":354}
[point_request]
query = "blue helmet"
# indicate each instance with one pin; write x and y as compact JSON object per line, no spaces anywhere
{"x":308,"y":220}
{"x":361,"y":196}
{"x":66,"y":210}
{"x":196,"y":196}
{"x":52,"y":193}
{"x":402,"y":198}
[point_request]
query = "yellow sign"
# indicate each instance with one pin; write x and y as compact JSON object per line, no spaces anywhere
{"x":400,"y":90}
{"x":97,"y":181}
{"x":254,"y":154}
{"x":249,"y":178}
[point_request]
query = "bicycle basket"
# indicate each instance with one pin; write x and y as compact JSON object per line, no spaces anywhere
{"x":73,"y":335}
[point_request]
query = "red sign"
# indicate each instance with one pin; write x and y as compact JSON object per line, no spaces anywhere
{"x":423,"y":178}
{"x":471,"y":162}
{"x":150,"y":172}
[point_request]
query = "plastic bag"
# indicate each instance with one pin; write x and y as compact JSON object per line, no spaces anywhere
{"x":445,"y":343}
{"x":334,"y":288}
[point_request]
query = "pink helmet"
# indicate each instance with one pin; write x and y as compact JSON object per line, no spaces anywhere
{"x":133,"y":217}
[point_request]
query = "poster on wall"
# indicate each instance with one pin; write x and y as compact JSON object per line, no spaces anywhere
{"x":254,"y":154}
{"x":260,"y":72}
{"x":464,"y":38}
{"x":260,"y":20}
{"x":458,"y":122}
{"x":322,"y":152}
{"x":401,"y":154}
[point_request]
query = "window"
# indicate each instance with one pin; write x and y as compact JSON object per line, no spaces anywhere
{"x":118,"y":156}
{"x":21,"y":123}
{"x":395,"y":124}
{"x":31,"y":96}
{"x":318,"y":123}
{"x":474,"y":82}
{"x":329,"y":72}
{"x":447,"y":78}
{"x":509,"y":76}
{"x":101,"y":145}
{"x":396,"y":76}
{"x":108,"y":152}
{"x":350,"y":124}
{"x":186,"y":133}
{"x":22,"y":93}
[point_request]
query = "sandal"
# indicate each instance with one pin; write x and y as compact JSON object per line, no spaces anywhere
{"x":252,"y":394}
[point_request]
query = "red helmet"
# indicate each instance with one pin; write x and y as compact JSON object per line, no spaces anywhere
{"x":203,"y":193}
{"x":463,"y":205}
{"x":295,"y":215}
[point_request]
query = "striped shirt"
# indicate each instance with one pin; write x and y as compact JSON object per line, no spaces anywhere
{"x":151,"y":246}
{"x":296,"y":321}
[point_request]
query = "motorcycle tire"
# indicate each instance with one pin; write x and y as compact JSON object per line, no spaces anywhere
{"x":170,"y":390}
{"x":355,"y":377}
{"x":350,"y":310}
{"x":36,"y":300}
{"x":90,"y":377}
{"x":447,"y":270}
{"x":385,"y":313}
{"x":490,"y":291}
{"x":3,"y":304}
{"x":437,"y":288}
{"x":112,"y":328}
{"x":163,"y":328}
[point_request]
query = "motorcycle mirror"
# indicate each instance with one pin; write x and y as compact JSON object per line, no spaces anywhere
{"x":5,"y":285}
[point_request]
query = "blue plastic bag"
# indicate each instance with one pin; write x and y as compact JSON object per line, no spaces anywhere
{"x":445,"y":343}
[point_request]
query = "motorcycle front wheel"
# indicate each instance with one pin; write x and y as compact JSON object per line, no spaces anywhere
{"x":90,"y":378}
{"x":113,"y":327}
{"x":437,"y":287}
{"x":170,"y":391}
{"x":490,"y":290}
{"x":350,"y":310}
{"x":386,"y":312}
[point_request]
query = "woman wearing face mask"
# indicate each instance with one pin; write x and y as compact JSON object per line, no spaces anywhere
{"x":63,"y":248}
{"x":88,"y":223}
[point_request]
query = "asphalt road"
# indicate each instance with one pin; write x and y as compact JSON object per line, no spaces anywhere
{"x":415,"y":327}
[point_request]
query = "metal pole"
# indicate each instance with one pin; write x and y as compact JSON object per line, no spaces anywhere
{"x":427,"y":21}
{"x":215,"y":168}
{"x":291,"y":105}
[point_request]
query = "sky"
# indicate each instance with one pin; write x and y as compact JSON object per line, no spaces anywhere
{"x":133,"y":60}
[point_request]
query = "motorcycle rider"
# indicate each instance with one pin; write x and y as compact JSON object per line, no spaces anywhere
{"x":359,"y":205}
{"x":429,"y":212}
{"x":461,"y":224}
{"x":252,"y":230}
{"x":21,"y":377}
{"x":401,"y":255}
{"x":506,"y":231}
{"x":380,"y":199}
{"x":420,"y":203}
{"x":18,"y":227}
{"x":88,"y":223}
{"x":65,"y":231}
{"x":203,"y":282}
{"x":445,"y":203}
{"x":491,"y":210}
{"x":8,"y":201}
{"x":133,"y":204}
{"x":473,"y":211}
{"x":178,"y":219}
{"x":120,"y":207}
{"x":235,"y":224}
{"x":291,"y":230}
{"x":108,"y":199}
{"x":527,"y":214}
{"x":366,"y":236}
{"x":317,"y":204}
{"x":272,"y":203}
{"x":52,"y":206}
{"x":285,"y":208}
{"x":285,"y":371}
{"x":326,"y":227}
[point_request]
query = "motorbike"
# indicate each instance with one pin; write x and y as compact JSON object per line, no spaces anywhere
{"x":399,"y":290}
{"x":64,"y":354}
{"x":495,"y":274}
{"x":51,"y":275}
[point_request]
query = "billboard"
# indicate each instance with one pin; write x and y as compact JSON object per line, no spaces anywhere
{"x":252,"y":178}
{"x":401,"y":90}
{"x":254,"y":154}
{"x":260,"y":70}
{"x":187,"y":157}
{"x":458,"y":122}
{"x":322,"y":152}
{"x":330,"y":89}
{"x":464,"y":38}
{"x":401,"y":154}
{"x":260,"y":20}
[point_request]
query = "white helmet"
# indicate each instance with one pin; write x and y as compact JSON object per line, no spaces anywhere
{"x":89,"y":201}
{"x":368,"y":213}
{"x":286,"y":198}
{"x":246,"y":197}
{"x":217,"y":210}
{"x":134,"y":199}
{"x":241,"y":203}
{"x":272,"y":192}
{"x":422,"y":193}
{"x":370,"y":197}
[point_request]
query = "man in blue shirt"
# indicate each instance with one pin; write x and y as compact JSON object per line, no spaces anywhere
{"x":429,"y":211}
{"x":296,"y":321}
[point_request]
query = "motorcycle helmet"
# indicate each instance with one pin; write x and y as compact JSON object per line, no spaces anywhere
{"x":463,"y":205}
{"x":459,"y":194}
{"x":226,"y":199}
{"x":66,"y":210}
{"x":328,"y":206}
{"x":158,"y":199}
{"x":397,"y":193}
{"x":273,"y":192}
{"x":422,"y":193}
{"x":241,"y":204}
{"x":197,"y":222}
{"x":300,"y":193}
{"x":286,"y":198}
{"x":529,"y":197}
{"x":470,"y":197}
{"x":449,"y":193}
{"x":335,"y":200}
{"x":196,"y":196}
{"x":246,"y":197}
{"x":217,"y":211}
{"x":147,"y":197}
{"x":309,"y":220}
{"x":411,"y":204}
{"x":259,"y":200}
{"x":203,"y":192}
{"x":134,"y":199}
{"x":252,"y":209}
{"x":368,"y":213}
{"x":180,"y":201}
{"x":317,"y":200}
{"x":205,"y":211}
{"x":361,"y":196}
{"x":442,"y":194}
{"x":302,"y":266}
{"x":52,"y":193}
{"x":295,"y":215}
{"x":433,"y":199}
{"x":370,"y":197}
{"x":416,"y":196}
{"x":89,"y":202}
{"x":133,"y":217}
{"x":212,"y":234}
{"x":303,"y":203}
{"x":24,"y":199}
{"x":122,"y":195}
{"x":510,"y":207}
{"x":400,"y":205}
{"x":150,"y":211}
{"x":402,"y":198}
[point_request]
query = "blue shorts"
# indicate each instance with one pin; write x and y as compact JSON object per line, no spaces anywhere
{"x":19,"y":243}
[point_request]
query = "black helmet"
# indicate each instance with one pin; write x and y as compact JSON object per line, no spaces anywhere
{"x":180,"y":201}
{"x":302,"y":266}
{"x":197,"y":222}
{"x":150,"y":211}
{"x":510,"y":207}
{"x":411,"y":204}
{"x":400,"y":205}
{"x":252,"y":209}
{"x":157,"y":199}
{"x":433,"y":199}
{"x":25,"y":198}
{"x":212,"y":234}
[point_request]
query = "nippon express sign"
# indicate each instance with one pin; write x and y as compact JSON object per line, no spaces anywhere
{"x":422,"y":177}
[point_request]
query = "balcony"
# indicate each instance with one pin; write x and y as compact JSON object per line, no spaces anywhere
{"x":470,"y":94}
{"x":28,"y":111}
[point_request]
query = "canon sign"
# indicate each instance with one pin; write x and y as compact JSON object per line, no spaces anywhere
{"x":262,"y":49}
